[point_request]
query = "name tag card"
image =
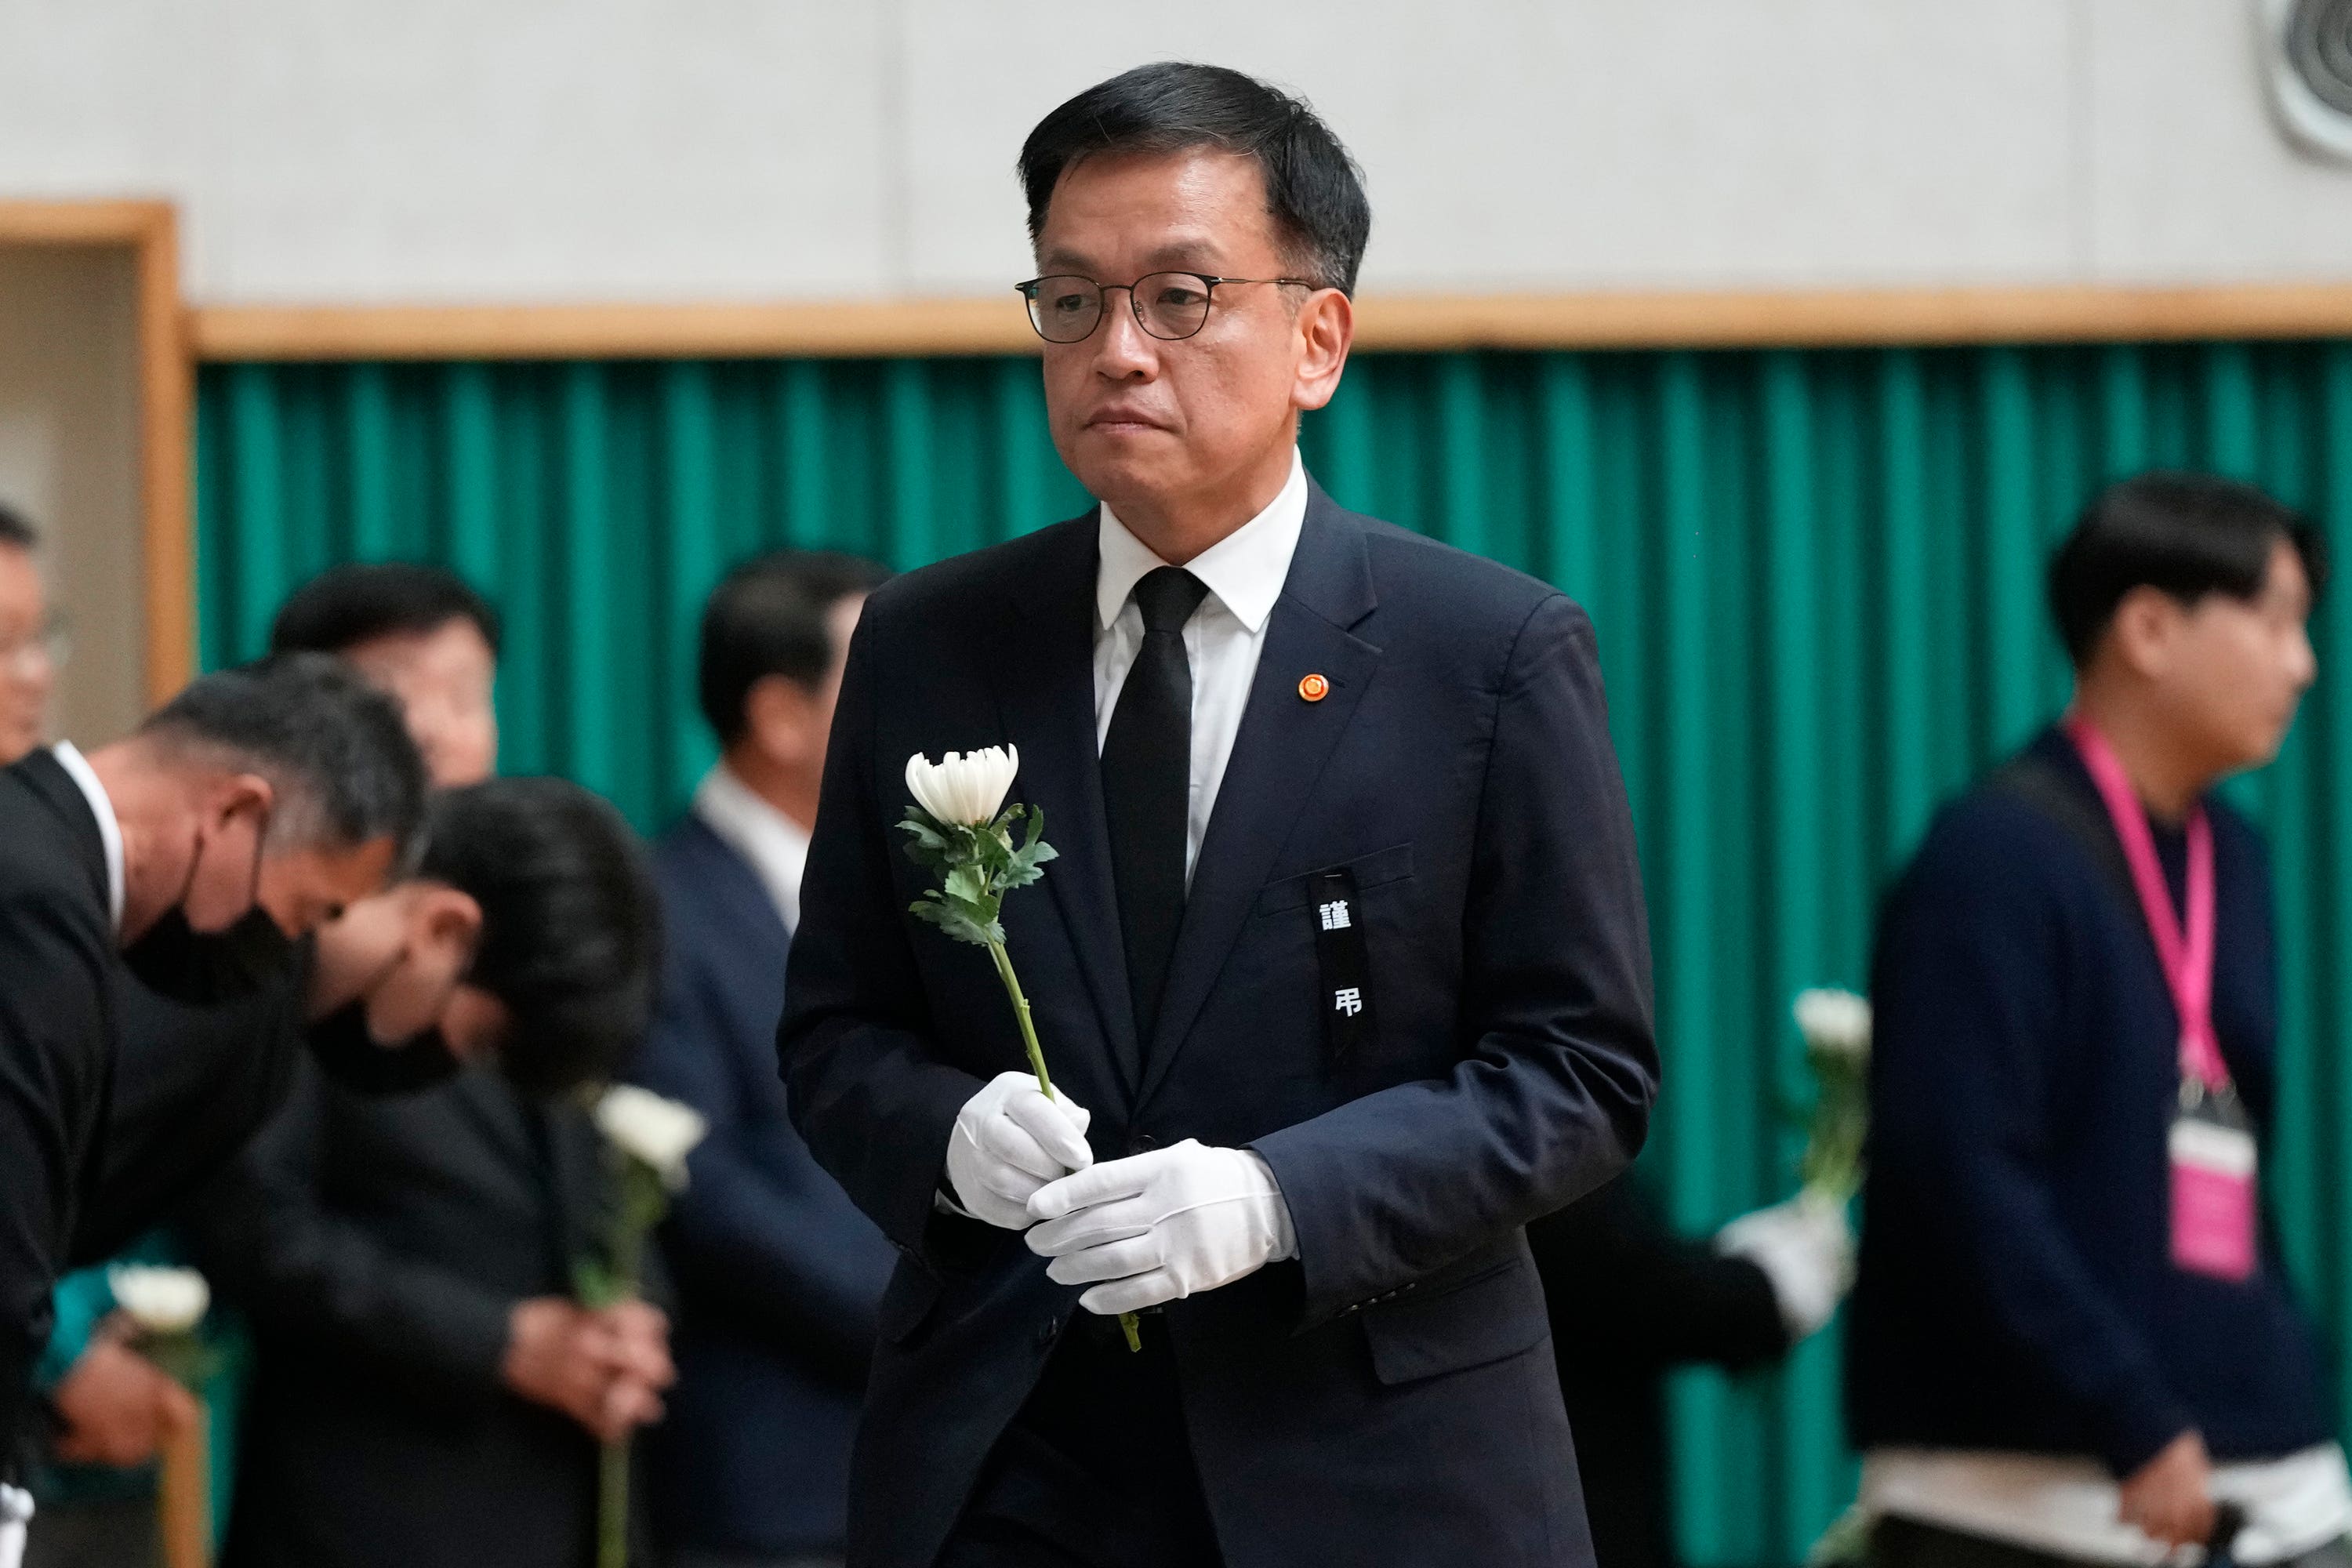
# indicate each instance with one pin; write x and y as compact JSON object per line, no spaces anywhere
{"x":2213,"y":1190}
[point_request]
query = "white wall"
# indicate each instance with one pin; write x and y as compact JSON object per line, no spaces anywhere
{"x":474,"y":149}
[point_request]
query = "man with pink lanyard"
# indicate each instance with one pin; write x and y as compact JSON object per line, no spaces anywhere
{"x":2073,"y":1340}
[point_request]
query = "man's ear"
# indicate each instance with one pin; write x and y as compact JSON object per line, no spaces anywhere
{"x":781,"y":715}
{"x":242,"y":795}
{"x":1327,"y":326}
{"x":448,"y":918}
{"x":2142,"y":632}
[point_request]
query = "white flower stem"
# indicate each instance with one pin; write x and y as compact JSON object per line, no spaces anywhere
{"x":1127,"y":1323}
{"x":613,"y":1506}
{"x":1021,"y":1012}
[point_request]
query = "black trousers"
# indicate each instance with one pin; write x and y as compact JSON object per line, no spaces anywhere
{"x":1096,"y":1470}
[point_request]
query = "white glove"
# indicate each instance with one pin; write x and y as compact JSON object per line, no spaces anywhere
{"x":15,"y":1509}
{"x":1159,"y":1226}
{"x":1009,"y":1141}
{"x":1805,"y":1248}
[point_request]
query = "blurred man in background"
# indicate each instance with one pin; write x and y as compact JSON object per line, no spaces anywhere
{"x":427,"y":1389}
{"x":777,"y":1273}
{"x":1643,"y":1301}
{"x":250,"y":810}
{"x":29,"y":639}
{"x":2072,"y":1336}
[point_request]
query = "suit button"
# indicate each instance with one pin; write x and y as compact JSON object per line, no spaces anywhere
{"x":1049,"y":1331}
{"x":1141,"y":1142}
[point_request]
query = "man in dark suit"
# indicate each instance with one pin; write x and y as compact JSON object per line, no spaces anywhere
{"x":1341,"y":973}
{"x":777,"y":1273}
{"x":425,"y":1390}
{"x":256,"y":804}
{"x":407,"y":1259}
{"x":1640,"y":1301}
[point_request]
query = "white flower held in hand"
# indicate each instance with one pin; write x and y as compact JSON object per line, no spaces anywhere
{"x":645,"y":1127}
{"x":1835,"y":1021}
{"x":160,"y":1300}
{"x":963,"y":789}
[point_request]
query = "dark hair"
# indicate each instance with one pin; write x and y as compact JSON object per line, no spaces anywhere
{"x":571,"y":930}
{"x":767,"y":617}
{"x":15,"y":531}
{"x":344,"y":606}
{"x":334,"y":747}
{"x":1314,"y":192}
{"x":2187,"y":535}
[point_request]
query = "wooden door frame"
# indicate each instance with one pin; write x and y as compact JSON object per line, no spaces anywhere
{"x":149,"y":230}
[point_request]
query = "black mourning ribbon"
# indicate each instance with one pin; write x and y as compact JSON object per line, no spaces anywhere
{"x":1147,"y":766}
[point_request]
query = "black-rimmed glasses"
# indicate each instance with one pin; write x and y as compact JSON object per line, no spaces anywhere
{"x":1066,"y":309}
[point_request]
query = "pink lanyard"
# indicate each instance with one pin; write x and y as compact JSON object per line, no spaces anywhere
{"x":2187,"y":958}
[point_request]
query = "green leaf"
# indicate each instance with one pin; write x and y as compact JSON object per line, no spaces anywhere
{"x":966,"y":882}
{"x":979,"y":912}
{"x":956,"y":922}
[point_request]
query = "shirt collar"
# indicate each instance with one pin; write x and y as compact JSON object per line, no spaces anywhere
{"x":775,"y":845}
{"x":102,"y":806}
{"x":1245,"y":570}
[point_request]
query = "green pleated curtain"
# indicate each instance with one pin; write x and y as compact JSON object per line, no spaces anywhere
{"x":1815,"y":576}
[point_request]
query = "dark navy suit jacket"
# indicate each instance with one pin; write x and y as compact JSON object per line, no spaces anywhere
{"x":777,"y":1273}
{"x":1390,"y":1396}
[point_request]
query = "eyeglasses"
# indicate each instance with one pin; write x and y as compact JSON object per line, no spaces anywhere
{"x":44,"y":650}
{"x":1167,"y":305}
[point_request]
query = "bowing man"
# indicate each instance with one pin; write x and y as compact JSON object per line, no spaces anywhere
{"x":247,"y":810}
{"x":1342,"y":969}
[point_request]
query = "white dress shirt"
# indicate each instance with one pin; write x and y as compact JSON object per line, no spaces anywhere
{"x":109,"y":831}
{"x":2048,"y":1504}
{"x":1243,"y":572}
{"x":775,"y":845}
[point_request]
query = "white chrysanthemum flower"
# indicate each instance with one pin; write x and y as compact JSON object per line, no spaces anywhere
{"x":161,"y":1301}
{"x":645,"y":1126}
{"x":963,"y":789}
{"x":1836,"y":1021}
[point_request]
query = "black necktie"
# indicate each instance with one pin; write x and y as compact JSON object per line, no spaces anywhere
{"x":1147,"y":768}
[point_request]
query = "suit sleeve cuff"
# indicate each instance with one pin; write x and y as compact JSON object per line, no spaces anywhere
{"x":466,"y":1337}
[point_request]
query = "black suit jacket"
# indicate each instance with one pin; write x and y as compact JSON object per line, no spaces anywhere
{"x":1390,"y":1396}
{"x":58,"y":981}
{"x":778,"y":1275}
{"x":1638,"y":1300}
{"x":378,"y":1246}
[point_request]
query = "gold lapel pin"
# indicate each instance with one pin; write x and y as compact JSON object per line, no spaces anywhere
{"x":1313,"y":687}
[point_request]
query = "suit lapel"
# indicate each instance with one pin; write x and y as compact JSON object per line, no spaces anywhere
{"x":48,"y":780}
{"x":1045,"y":698}
{"x":1280,"y":751}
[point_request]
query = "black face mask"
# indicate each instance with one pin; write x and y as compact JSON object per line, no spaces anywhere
{"x":205,"y":968}
{"x":173,"y":958}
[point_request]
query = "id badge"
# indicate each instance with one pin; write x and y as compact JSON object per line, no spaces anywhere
{"x":2212,"y":1186}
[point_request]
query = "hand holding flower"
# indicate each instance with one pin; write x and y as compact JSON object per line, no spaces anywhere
{"x":1009,"y":1140}
{"x":1013,"y":1137}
